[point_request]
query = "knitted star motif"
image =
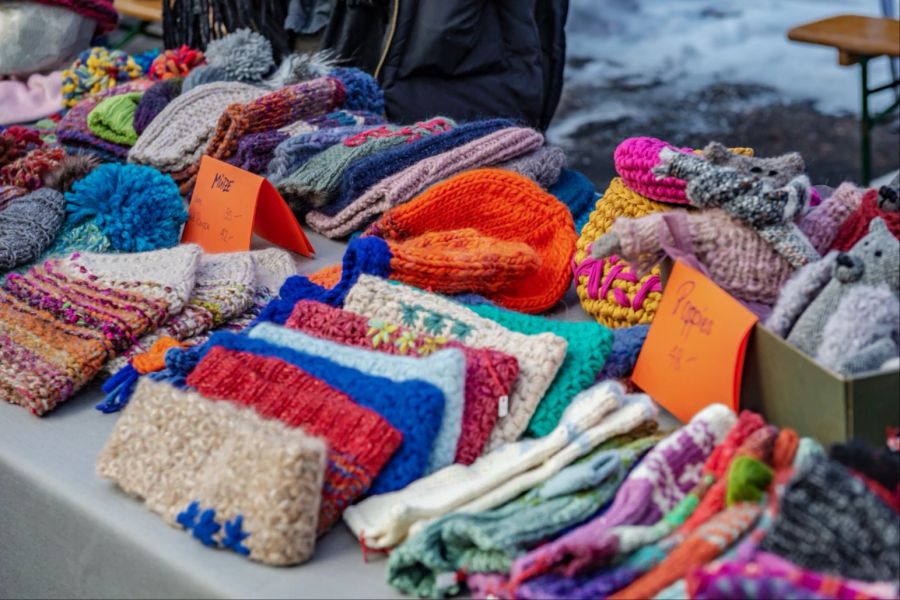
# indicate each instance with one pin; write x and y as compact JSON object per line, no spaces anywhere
{"x":207,"y":527}
{"x":234,"y":535}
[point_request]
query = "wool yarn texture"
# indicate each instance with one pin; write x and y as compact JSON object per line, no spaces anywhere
{"x":233,"y":479}
{"x":28,"y":226}
{"x":488,"y":541}
{"x":293,"y":152}
{"x":101,"y":11}
{"x":113,"y":119}
{"x":204,"y":74}
{"x":385,"y":520}
{"x":10,"y":192}
{"x":823,"y":223}
{"x":543,"y":166}
{"x":609,"y":289}
{"x":177,"y":137}
{"x":364,"y":173}
{"x":444,"y":369}
{"x":587,"y":346}
{"x":880,"y":464}
{"x":651,"y":490}
{"x":857,"y":224}
{"x":63,"y":319}
{"x":316,"y":182}
{"x":414,"y":407}
{"x":28,"y":172}
{"x":95,"y":70}
{"x":577,"y":192}
{"x":484,"y":200}
{"x":405,"y":185}
{"x":175,"y":63}
{"x":244,"y":55}
{"x":75,"y":134}
{"x":626,"y":346}
{"x":540,"y":356}
{"x":154,"y":100}
{"x":489,"y":373}
{"x":360,"y":441}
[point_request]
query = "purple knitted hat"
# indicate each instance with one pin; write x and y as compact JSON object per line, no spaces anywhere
{"x":156,"y":98}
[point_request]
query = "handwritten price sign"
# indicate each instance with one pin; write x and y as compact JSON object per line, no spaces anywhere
{"x":694,"y":353}
{"x":229,"y":204}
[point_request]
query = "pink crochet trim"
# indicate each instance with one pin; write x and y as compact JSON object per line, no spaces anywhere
{"x":599,"y":286}
{"x":635,"y":158}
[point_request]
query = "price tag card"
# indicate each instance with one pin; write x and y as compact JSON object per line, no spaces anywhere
{"x":229,"y":204}
{"x":694,"y":352}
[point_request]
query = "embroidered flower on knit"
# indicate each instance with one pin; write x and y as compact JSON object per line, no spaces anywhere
{"x":380,"y":332}
{"x":406,"y":342}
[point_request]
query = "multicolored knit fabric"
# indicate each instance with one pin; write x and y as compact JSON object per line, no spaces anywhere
{"x":857,"y":224}
{"x":413,"y":407}
{"x":360,"y":441}
{"x":96,"y":70}
{"x":610,"y":290}
{"x":62,"y":320}
{"x":587,"y":346}
{"x":295,"y":151}
{"x":28,"y":171}
{"x":489,"y":373}
{"x":235,"y":480}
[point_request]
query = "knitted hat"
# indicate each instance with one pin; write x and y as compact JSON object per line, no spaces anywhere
{"x":822,"y":224}
{"x":415,"y":408}
{"x":175,"y":63}
{"x":609,"y":289}
{"x":113,"y":119}
{"x":235,"y":480}
{"x":577,"y":192}
{"x":587,"y":346}
{"x":364,"y":173}
{"x":484,"y":200}
{"x":540,"y":356}
{"x":26,"y":100}
{"x":178,"y":135}
{"x":360,"y":441}
{"x":63,"y":319}
{"x":317,"y":181}
{"x":297,"y":67}
{"x":856,"y":225}
{"x":95,"y":70}
{"x":244,"y":55}
{"x":28,"y":171}
{"x":203,"y":75}
{"x":830,"y":522}
{"x":17,"y":141}
{"x":652,"y":489}
{"x":489,"y":373}
{"x":636,"y":157}
{"x":489,"y":540}
{"x":28,"y":225}
{"x":403,"y":186}
{"x":77,"y":136}
{"x":626,"y":346}
{"x":385,"y":520}
{"x":292,"y":153}
{"x":101,"y":11}
{"x":542,"y":166}
{"x":154,"y":100}
{"x":445,"y":370}
{"x":10,"y":192}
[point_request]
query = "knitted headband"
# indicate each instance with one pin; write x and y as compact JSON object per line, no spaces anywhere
{"x":178,"y":135}
{"x":233,"y":479}
{"x":64,"y":319}
{"x":608,"y":288}
{"x":360,"y":441}
{"x":403,"y":186}
{"x":415,"y":408}
{"x":489,"y":373}
{"x":504,"y":206}
{"x":539,"y":355}
{"x":385,"y":520}
{"x":445,"y":370}
{"x":28,"y":226}
{"x":542,"y":166}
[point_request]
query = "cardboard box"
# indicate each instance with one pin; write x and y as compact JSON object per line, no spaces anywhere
{"x":791,"y":390}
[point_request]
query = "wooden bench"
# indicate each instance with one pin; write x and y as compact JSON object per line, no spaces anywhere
{"x":858,"y":39}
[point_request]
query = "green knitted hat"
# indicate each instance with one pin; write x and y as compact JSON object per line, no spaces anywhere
{"x":113,"y":119}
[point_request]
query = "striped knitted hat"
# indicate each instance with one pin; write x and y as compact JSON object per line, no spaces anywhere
{"x":64,"y":319}
{"x":360,"y":441}
{"x":28,"y":225}
{"x":444,"y":369}
{"x":500,"y":205}
{"x":489,"y":373}
{"x":414,"y":408}
{"x":235,"y":480}
{"x":540,"y":355}
{"x":403,"y":186}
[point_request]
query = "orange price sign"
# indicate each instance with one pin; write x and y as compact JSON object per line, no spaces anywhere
{"x":694,"y":352}
{"x":229,"y":204}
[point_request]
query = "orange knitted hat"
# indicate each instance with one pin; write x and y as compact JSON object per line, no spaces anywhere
{"x":480,"y":205}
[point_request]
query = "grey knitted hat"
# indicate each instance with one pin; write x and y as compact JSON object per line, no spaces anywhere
{"x":28,"y":225}
{"x":204,"y":74}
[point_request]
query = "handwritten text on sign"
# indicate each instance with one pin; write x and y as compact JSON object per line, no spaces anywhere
{"x":694,"y":352}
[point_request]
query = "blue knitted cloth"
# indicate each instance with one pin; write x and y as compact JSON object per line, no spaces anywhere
{"x":627,"y":344}
{"x":578,"y":194}
{"x":414,"y":407}
{"x":366,"y":172}
{"x":292,"y":153}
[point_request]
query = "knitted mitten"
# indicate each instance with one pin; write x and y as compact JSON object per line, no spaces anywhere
{"x":235,"y":480}
{"x":28,"y":225}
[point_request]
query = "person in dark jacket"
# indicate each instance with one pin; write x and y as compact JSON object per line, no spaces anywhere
{"x":464,"y":59}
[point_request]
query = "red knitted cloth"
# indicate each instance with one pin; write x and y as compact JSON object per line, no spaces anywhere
{"x":857,"y":224}
{"x":489,"y":373}
{"x":360,"y":441}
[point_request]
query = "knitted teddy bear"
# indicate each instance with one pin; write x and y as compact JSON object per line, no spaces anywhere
{"x":810,"y":299}
{"x":765,"y":194}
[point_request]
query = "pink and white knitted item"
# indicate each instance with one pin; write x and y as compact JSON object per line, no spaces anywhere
{"x":822,"y":224}
{"x":634,"y":160}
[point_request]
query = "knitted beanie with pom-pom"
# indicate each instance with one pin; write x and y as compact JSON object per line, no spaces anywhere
{"x":28,"y":226}
{"x":175,"y":63}
{"x":203,"y":75}
{"x":244,"y":55}
{"x":28,"y":172}
{"x":96,"y":70}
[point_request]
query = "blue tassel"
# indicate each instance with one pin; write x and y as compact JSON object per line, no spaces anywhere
{"x":118,"y":389}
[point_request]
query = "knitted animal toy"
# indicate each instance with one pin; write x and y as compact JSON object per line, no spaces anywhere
{"x":813,"y":296}
{"x":757,"y":200}
{"x":781,"y":170}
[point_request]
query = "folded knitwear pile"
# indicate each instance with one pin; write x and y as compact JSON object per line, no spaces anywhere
{"x":418,"y":393}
